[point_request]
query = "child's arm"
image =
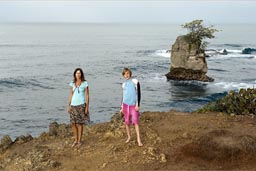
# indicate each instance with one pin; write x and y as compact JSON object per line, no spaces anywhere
{"x":121,"y":107}
{"x":138,"y":94}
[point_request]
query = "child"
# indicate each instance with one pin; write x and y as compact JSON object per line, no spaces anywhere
{"x":131,"y":103}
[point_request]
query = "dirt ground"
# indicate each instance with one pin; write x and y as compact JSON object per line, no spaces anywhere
{"x":172,"y":141}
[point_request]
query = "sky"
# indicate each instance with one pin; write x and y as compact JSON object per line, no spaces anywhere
{"x":128,"y":11}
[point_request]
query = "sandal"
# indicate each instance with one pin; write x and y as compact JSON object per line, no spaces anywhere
{"x":74,"y":144}
{"x":79,"y":144}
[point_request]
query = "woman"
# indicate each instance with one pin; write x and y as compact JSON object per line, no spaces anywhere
{"x":78,"y":105}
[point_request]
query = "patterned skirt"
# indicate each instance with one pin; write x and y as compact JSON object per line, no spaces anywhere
{"x":77,"y":114}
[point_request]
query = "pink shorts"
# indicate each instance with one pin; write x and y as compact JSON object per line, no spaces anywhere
{"x":129,"y":111}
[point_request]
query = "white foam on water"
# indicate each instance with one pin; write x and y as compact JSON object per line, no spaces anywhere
{"x":232,"y":56}
{"x":233,"y":51}
{"x":235,"y":85}
{"x":162,"y":53}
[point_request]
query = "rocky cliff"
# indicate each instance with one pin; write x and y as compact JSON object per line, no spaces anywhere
{"x":172,"y":141}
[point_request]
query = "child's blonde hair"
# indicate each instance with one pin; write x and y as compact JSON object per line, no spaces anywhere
{"x":125,"y":70}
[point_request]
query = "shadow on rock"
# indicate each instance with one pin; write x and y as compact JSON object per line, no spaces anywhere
{"x":221,"y":145}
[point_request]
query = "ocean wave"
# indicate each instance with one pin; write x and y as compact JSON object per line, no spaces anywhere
{"x":31,"y":45}
{"x":219,"y":70}
{"x":162,"y":53}
{"x":22,"y":83}
{"x":188,"y":82}
{"x":249,"y":51}
{"x":156,"y":77}
{"x":24,"y":45}
{"x":233,"y":56}
{"x":235,"y":85}
{"x":213,"y":53}
{"x":208,"y":98}
{"x":246,"y":52}
{"x":232,"y":45}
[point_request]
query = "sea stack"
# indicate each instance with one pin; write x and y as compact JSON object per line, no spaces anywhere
{"x":187,"y":63}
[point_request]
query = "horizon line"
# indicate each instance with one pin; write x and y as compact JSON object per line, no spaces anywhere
{"x":71,"y":22}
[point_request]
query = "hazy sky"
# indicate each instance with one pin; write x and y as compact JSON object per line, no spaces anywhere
{"x":128,"y":11}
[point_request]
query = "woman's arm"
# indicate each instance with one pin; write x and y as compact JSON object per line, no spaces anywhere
{"x":69,"y":99}
{"x":87,"y":100}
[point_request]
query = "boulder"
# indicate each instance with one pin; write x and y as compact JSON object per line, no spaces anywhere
{"x":187,"y":63}
{"x":23,"y":139}
{"x":61,"y":130}
{"x":6,"y":142}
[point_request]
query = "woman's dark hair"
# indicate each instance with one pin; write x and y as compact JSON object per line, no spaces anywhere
{"x":82,"y":74}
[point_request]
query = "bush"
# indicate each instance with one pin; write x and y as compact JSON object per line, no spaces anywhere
{"x":242,"y":102}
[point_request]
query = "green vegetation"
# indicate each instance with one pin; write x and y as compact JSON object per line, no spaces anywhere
{"x":197,"y":33}
{"x":242,"y":102}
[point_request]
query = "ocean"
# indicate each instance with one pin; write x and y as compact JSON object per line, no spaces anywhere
{"x":37,"y":62}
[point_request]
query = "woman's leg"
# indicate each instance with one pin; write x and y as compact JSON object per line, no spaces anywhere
{"x":80,"y":132}
{"x":75,"y":131}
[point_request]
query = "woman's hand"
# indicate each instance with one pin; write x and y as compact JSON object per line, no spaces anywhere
{"x":68,"y":109}
{"x":86,"y":111}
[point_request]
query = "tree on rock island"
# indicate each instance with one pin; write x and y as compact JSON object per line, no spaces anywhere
{"x":187,"y":53}
{"x":197,"y":33}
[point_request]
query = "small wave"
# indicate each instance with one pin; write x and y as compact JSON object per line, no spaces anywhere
{"x":233,"y":56}
{"x":233,"y":50}
{"x":161,"y":53}
{"x":27,"y":45}
{"x":146,"y":52}
{"x":245,"y":52}
{"x":220,"y":70}
{"x":213,"y":53}
{"x":188,"y":82}
{"x":14,"y":82}
{"x":235,"y":85}
{"x":232,"y":45}
{"x":249,"y":51}
{"x":156,"y":77}
{"x":208,"y":98}
{"x":35,"y":127}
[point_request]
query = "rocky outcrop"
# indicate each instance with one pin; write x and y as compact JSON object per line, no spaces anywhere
{"x":61,"y":130}
{"x":6,"y":142}
{"x":23,"y":139}
{"x":187,"y":63}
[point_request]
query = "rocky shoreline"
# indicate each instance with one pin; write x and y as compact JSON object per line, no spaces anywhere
{"x":172,"y":141}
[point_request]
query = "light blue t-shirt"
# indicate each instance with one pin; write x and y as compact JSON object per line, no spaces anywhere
{"x":129,"y":92}
{"x":78,"y":97}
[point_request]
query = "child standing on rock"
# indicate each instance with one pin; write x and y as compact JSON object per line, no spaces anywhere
{"x":131,"y":103}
